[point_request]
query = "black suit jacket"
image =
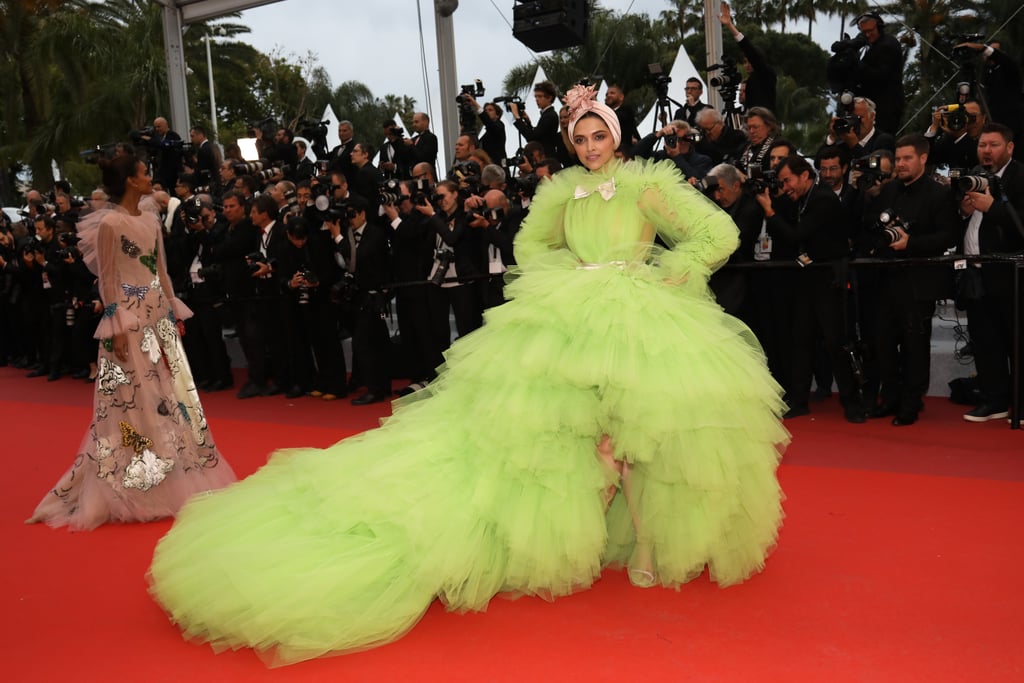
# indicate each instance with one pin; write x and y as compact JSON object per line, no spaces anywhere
{"x":689,"y":114}
{"x":373,"y":257}
{"x":545,"y":132}
{"x":814,"y":226}
{"x":880,"y":77}
{"x":239,"y":240}
{"x":931,"y":216}
{"x":423,"y":148}
{"x":999,"y":232}
{"x":493,"y":138}
{"x":340,"y":159}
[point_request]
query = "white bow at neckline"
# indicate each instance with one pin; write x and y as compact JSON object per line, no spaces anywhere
{"x":605,"y":189}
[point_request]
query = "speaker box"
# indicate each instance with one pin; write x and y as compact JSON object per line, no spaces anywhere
{"x":543,"y":25}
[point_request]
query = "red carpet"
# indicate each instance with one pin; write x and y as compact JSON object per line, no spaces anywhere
{"x":899,"y":561}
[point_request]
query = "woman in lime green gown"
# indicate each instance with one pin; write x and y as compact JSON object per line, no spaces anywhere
{"x":610,"y":414}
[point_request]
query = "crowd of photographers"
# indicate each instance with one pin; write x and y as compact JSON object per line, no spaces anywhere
{"x":293,"y":256}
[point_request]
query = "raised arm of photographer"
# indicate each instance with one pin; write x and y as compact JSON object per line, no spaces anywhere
{"x":726,"y":19}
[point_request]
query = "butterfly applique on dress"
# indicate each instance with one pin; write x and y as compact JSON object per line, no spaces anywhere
{"x":130,"y":248}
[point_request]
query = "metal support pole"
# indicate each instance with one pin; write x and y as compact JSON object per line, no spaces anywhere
{"x":175,"y":53}
{"x":449,"y":130}
{"x":713,"y":46}
{"x":213,"y":99}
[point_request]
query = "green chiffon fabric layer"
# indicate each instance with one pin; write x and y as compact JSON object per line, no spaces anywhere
{"x":488,"y":482}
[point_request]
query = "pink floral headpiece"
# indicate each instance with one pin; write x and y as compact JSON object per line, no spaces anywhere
{"x":580,"y":100}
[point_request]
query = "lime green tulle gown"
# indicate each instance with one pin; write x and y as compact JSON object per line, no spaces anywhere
{"x":491,"y":483}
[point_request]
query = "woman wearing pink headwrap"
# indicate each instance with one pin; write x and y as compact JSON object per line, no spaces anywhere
{"x":610,"y":414}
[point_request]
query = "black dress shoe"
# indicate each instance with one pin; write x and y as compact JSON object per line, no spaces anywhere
{"x":39,"y":372}
{"x":80,"y":374}
{"x":904,"y":419}
{"x":854,"y":415}
{"x":368,"y":398}
{"x":294,"y":392}
{"x":203,"y":385}
{"x":53,"y":377}
{"x":883,"y":410}
{"x":250,"y":390}
{"x":219,"y":385}
{"x":270,"y":390}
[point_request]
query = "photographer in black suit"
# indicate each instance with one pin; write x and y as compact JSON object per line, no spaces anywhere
{"x":422,"y":147}
{"x":807,"y":220}
{"x":340,"y":158}
{"x":918,"y":219}
{"x":725,"y":184}
{"x":204,"y":294}
{"x":457,"y":253}
{"x":368,"y":256}
{"x":492,"y":140}
{"x":412,"y":251}
{"x":879,"y":73}
{"x":206,"y":155}
{"x":994,"y":226}
{"x":546,"y":132}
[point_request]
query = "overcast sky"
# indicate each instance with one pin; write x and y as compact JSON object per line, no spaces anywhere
{"x":379,"y":43}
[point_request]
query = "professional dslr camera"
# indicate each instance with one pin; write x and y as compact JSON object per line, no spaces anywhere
{"x":870,"y":170}
{"x":390,"y":192}
{"x":708,"y":184}
{"x":886,"y":228}
{"x":421,"y":190}
{"x":846,"y":120}
{"x":955,"y":117}
{"x":474,"y":90}
{"x":974,"y":183}
{"x":68,"y":242}
{"x":727,"y":81}
{"x":467,"y":113}
{"x":255,"y":259}
{"x":760,"y":179}
{"x":444,"y":256}
{"x":192,"y":211}
{"x":261,"y":170}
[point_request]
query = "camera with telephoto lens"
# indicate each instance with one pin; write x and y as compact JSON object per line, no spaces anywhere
{"x":760,"y":179}
{"x":671,"y":140}
{"x":846,"y":120}
{"x":973,"y":183}
{"x":888,"y":227}
{"x":444,"y":257}
{"x":727,"y":81}
{"x":508,"y":99}
{"x":390,"y":192}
